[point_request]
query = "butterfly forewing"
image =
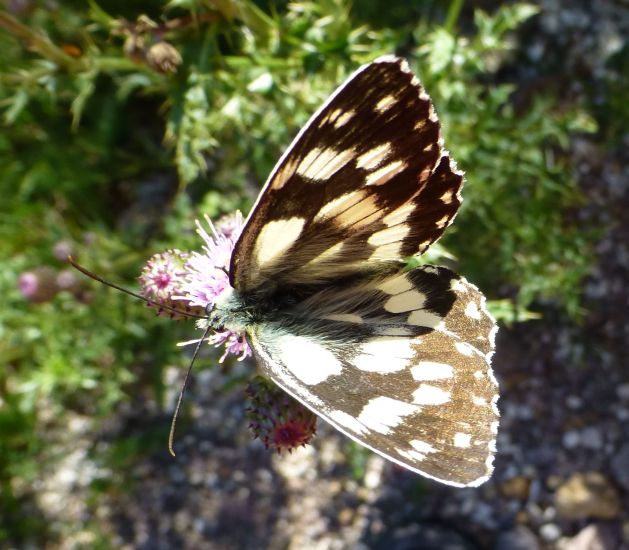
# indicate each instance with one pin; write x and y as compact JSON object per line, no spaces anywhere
{"x":400,"y":363}
{"x":351,"y":191}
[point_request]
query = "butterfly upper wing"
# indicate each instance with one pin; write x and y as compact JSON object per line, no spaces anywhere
{"x":399,"y":362}
{"x":366,"y":181}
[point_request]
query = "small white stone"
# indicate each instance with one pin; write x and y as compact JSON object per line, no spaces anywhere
{"x":571,"y":439}
{"x":550,"y":532}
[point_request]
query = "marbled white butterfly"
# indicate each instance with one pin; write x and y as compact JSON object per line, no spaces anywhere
{"x":397,"y":359}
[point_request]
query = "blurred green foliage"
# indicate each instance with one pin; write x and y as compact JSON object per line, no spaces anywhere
{"x":124,"y":121}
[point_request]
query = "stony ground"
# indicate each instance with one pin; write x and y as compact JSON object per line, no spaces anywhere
{"x":562,"y":471}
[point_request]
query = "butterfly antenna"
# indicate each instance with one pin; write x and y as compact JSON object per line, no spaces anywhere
{"x":171,"y":435}
{"x":131,"y":293}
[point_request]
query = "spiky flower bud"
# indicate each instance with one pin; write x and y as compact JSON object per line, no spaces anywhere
{"x":281,"y":422}
{"x":163,"y":57}
{"x":162,"y":278}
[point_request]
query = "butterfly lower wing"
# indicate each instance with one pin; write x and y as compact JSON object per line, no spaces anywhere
{"x":366,"y":181}
{"x":398,"y":362}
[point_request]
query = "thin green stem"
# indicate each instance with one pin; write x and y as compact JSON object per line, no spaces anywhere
{"x":453,"y":15}
{"x":37,"y":42}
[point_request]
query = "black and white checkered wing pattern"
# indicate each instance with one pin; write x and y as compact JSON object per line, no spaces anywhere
{"x":400,"y":363}
{"x":398,"y":360}
{"x":365,"y":182}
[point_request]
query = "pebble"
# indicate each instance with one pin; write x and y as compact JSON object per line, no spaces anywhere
{"x":574,"y":402}
{"x":586,"y":495}
{"x":550,"y":532}
{"x":516,"y":487}
{"x":620,"y":467}
{"x":592,"y":537}
{"x":623,"y":392}
{"x":592,"y":438}
{"x":571,"y":439}
{"x":424,"y":536}
{"x":622,"y":414}
{"x":518,"y":538}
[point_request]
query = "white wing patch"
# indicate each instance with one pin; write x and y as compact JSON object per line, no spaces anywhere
{"x":375,"y":157}
{"x":394,"y":233}
{"x":430,"y":395}
{"x":396,"y":285}
{"x":322,"y":164}
{"x":421,"y":318}
{"x":419,"y":452}
{"x":462,"y":440}
{"x":385,"y":103}
{"x":343,"y":118}
{"x":472,"y":311}
{"x":309,"y":361}
{"x":432,"y":370}
{"x":383,"y":413}
{"x":384,"y":174}
{"x":277,"y":237}
{"x":385,"y":355}
{"x":409,"y":300}
{"x":347,"y":421}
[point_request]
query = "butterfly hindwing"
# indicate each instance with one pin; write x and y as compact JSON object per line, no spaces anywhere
{"x":366,"y":181}
{"x":400,"y":363}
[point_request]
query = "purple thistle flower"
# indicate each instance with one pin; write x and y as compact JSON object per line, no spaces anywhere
{"x":162,"y":279}
{"x":207,"y":277}
{"x":234,"y":343}
{"x":208,"y":271}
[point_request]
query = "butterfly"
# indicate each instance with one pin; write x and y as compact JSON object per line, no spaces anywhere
{"x":397,"y":359}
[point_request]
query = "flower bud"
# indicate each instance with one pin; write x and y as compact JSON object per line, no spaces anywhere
{"x":281,"y":422}
{"x":163,"y":57}
{"x":62,"y":249}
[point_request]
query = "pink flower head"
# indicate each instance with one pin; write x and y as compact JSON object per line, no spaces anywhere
{"x":162,"y":279}
{"x":207,"y":277}
{"x":234,"y":343}
{"x":207,"y":271}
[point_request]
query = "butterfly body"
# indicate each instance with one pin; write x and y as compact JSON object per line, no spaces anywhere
{"x":396,"y":358}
